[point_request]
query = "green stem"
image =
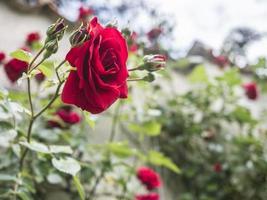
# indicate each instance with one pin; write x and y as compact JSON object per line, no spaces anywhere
{"x":34,"y":117}
{"x":114,"y":122}
{"x":41,"y":61}
{"x":136,"y":79}
{"x":134,"y":69}
{"x":111,"y":138}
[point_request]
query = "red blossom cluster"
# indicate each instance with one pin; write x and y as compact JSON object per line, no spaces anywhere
{"x":151,"y":180}
{"x":84,"y":13}
{"x":64,"y":117}
{"x":251,"y":90}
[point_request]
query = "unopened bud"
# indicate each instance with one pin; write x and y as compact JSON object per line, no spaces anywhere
{"x":78,"y":37}
{"x":154,"y":62}
{"x":51,"y":48}
{"x":149,"y":78}
{"x":56,"y":30}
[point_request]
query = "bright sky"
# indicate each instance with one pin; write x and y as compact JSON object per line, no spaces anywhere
{"x":207,"y":20}
{"x":211,"y":20}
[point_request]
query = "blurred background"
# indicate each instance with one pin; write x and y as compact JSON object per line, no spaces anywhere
{"x":206,"y":111}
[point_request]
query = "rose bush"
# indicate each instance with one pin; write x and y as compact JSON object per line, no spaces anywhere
{"x":46,"y":144}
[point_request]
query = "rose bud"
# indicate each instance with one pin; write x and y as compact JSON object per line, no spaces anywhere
{"x":100,"y":74}
{"x":85,"y":12}
{"x":15,"y":68}
{"x":32,"y":37}
{"x":40,"y":77}
{"x":78,"y":37}
{"x":51,"y":48}
{"x":151,"y":196}
{"x":154,"y":62}
{"x":56,"y":30}
{"x":149,"y":178}
{"x":251,"y":90}
{"x":154,"y":33}
{"x":217,"y":167}
{"x":149,"y":78}
{"x":2,"y":57}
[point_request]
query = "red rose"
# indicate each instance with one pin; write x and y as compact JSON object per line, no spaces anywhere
{"x":148,"y":177}
{"x":2,"y":57}
{"x":101,"y":73}
{"x":251,"y":90}
{"x":85,"y":12}
{"x":40,"y":77}
{"x":15,"y":68}
{"x":217,"y":167}
{"x":66,"y":115}
{"x":33,"y":37}
{"x":151,"y":196}
{"x":154,"y":33}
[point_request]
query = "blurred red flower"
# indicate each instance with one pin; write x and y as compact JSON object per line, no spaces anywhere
{"x":84,"y":12}
{"x":154,"y":33}
{"x":148,"y":177}
{"x":251,"y":90}
{"x":40,"y":77}
{"x":32,"y":37}
{"x":132,"y":44}
{"x":67,"y":115}
{"x":217,"y":167}
{"x":15,"y":68}
{"x":2,"y":56}
{"x":221,"y":61}
{"x":151,"y":196}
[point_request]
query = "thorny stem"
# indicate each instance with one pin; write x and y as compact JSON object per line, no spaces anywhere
{"x":111,"y":138}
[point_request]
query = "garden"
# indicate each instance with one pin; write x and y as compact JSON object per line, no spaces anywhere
{"x":122,"y":100}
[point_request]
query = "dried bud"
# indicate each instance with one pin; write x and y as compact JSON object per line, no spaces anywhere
{"x":154,"y":62}
{"x":78,"y":37}
{"x":149,"y":78}
{"x":56,"y":30}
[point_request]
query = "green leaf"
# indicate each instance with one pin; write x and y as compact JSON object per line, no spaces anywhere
{"x":21,"y":55}
{"x":231,"y":77}
{"x":42,"y":148}
{"x":36,"y":146}
{"x":67,"y":165}
{"x":159,"y":159}
{"x":6,"y":137}
{"x":79,"y":187}
{"x":243,"y":115}
{"x":46,"y":69}
{"x":150,"y":128}
{"x":120,"y":149}
{"x":60,"y":149}
{"x":24,"y":196}
{"x":6,"y":177}
{"x":199,"y":75}
{"x":90,"y":119}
